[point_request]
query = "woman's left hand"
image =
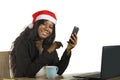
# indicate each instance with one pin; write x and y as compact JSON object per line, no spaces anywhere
{"x":72,"y":43}
{"x":55,"y":45}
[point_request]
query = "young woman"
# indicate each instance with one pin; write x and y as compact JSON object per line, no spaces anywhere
{"x":35,"y":47}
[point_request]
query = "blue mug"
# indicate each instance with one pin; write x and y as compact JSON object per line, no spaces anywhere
{"x":51,"y":72}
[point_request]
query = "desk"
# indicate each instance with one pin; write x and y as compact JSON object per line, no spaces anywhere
{"x":64,"y":77}
{"x":67,"y":76}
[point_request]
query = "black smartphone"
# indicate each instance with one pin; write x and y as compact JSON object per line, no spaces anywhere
{"x":75,"y":30}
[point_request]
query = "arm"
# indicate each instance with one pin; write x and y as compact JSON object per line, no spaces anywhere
{"x":63,"y":63}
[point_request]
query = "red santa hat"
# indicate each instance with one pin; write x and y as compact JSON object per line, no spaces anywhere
{"x":43,"y":14}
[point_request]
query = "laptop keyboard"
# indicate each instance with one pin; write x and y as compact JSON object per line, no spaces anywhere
{"x":96,"y":75}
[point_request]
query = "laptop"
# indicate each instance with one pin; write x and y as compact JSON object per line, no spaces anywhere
{"x":110,"y":65}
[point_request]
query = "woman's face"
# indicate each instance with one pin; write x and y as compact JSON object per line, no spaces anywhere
{"x":45,"y":30}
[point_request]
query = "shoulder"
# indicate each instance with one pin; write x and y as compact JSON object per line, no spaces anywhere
{"x":24,"y":43}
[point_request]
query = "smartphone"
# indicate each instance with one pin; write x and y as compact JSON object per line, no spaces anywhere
{"x":75,"y":30}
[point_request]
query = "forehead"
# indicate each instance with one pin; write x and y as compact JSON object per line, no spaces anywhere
{"x":49,"y":22}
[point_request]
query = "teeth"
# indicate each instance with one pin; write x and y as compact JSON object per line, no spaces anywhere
{"x":45,"y":33}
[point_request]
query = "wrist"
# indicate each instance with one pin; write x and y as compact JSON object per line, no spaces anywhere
{"x":68,"y":50}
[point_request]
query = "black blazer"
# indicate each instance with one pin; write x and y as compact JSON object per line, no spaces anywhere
{"x":28,"y":60}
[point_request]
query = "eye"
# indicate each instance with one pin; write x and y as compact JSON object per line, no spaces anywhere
{"x":51,"y":27}
{"x":48,"y":25}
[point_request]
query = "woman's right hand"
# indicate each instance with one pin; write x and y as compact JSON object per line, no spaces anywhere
{"x":73,"y":43}
{"x":54,"y":46}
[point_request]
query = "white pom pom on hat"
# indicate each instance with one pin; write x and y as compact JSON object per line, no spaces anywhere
{"x":43,"y":14}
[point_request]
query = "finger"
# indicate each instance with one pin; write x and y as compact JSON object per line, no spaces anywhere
{"x":74,"y":36}
{"x":61,"y":44}
{"x":57,"y":47}
{"x":71,"y":45}
{"x":73,"y":39}
{"x":58,"y":44}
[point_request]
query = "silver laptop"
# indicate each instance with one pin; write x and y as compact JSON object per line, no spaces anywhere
{"x":110,"y":65}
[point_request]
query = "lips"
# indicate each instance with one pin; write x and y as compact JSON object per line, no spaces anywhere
{"x":45,"y":33}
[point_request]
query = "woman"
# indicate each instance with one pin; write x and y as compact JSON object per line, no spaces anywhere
{"x":35,"y":47}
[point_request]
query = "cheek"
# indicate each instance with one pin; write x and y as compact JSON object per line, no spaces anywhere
{"x":39,"y":31}
{"x":51,"y":31}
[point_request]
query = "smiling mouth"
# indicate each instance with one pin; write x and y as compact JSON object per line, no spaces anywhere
{"x":45,"y":33}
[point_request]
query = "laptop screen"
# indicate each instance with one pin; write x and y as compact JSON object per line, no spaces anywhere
{"x":110,"y":62}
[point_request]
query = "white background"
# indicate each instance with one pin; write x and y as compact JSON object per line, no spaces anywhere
{"x":98,"y":20}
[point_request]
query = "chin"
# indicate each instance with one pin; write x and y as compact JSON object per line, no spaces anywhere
{"x":43,"y":37}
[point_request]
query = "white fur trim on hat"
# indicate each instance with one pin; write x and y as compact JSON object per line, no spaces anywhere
{"x":47,"y":17}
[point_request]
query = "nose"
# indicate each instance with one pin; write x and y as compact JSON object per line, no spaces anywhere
{"x":47,"y":27}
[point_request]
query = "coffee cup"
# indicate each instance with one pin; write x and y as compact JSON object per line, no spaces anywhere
{"x":51,"y":72}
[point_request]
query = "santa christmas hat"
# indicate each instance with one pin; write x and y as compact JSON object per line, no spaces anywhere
{"x":43,"y":14}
